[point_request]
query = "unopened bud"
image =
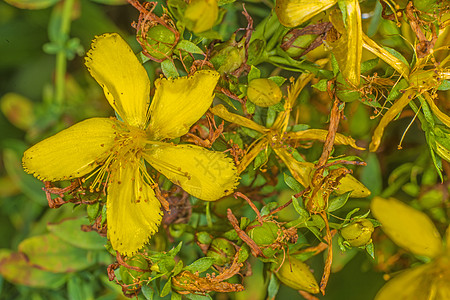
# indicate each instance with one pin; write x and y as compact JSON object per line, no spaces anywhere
{"x":264,"y":92}
{"x":296,"y":274}
{"x":358,"y":233}
{"x":201,"y":15}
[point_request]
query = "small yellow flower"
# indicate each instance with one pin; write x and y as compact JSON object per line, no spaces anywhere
{"x":118,"y":149}
{"x":413,"y":230}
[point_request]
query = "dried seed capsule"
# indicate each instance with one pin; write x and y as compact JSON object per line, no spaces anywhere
{"x":264,"y":92}
{"x":222,"y":251}
{"x":358,"y":233}
{"x":296,"y":274}
{"x":201,"y":15}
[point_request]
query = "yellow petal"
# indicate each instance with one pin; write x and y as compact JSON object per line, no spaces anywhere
{"x":124,"y":80}
{"x":393,"y":111}
{"x":320,"y":135}
{"x":411,"y":284}
{"x":390,"y":59}
{"x":222,"y":112}
{"x":348,"y":48}
{"x":179,"y":103}
{"x":73,"y":152}
{"x":292,"y":13}
{"x":207,"y":175}
{"x":133,"y":212}
{"x":407,"y":227}
{"x":437,"y":112}
{"x":303,"y":171}
{"x":251,"y":154}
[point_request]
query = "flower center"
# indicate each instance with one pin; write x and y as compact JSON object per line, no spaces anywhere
{"x":128,"y":147}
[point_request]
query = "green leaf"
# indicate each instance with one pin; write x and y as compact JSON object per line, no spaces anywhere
{"x":200,"y":265}
{"x":178,"y":267}
{"x":444,"y":86}
{"x":368,"y":65}
{"x":322,"y":85}
{"x":15,"y":268}
{"x":169,"y":69}
{"x":167,"y":288}
{"x":198,"y":297}
{"x":261,"y":158}
{"x":32,"y":4}
{"x":147,"y":291}
{"x":279,"y":80}
{"x":396,"y":54}
{"x":29,"y":185}
{"x":254,"y":73}
{"x":93,"y":211}
{"x":79,"y":290}
{"x":272,"y":288}
{"x":188,"y":46}
{"x":292,"y":183}
{"x":371,"y":250}
{"x":70,"y":232}
{"x":53,"y":254}
{"x":111,"y":2}
{"x":176,"y":296}
{"x":250,"y":107}
{"x":304,"y":215}
{"x":337,"y":202}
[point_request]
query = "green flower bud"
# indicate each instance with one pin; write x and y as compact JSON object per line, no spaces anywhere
{"x":228,"y":56}
{"x":299,"y":45}
{"x":264,"y":92}
{"x":201,"y":15}
{"x":222,"y":251}
{"x":358,"y":233}
{"x":264,"y":236}
{"x":134,"y":277}
{"x":296,"y":274}
{"x":159,"y":42}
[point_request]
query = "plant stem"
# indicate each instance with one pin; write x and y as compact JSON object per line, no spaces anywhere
{"x":61,"y":58}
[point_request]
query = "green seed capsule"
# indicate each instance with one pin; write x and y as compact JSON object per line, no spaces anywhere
{"x":222,"y":251}
{"x":264,"y":92}
{"x":132,"y":276}
{"x":296,"y":274}
{"x":160,"y":42}
{"x":358,"y":233}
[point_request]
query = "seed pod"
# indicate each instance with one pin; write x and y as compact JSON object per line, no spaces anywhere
{"x":222,"y":251}
{"x":296,"y":274}
{"x":358,"y":233}
{"x":299,"y":45}
{"x":133,"y":276}
{"x":201,"y":15}
{"x":264,"y":92}
{"x":227,"y":57}
{"x":160,"y":42}
{"x":264,"y":236}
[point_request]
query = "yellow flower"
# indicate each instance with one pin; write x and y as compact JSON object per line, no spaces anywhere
{"x":278,"y":139}
{"x":414,"y":231}
{"x":117,"y":150}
